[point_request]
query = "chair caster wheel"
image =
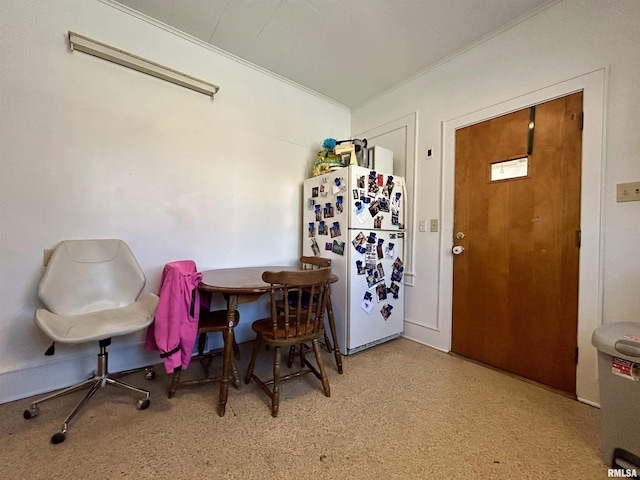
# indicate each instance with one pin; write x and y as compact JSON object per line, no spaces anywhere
{"x":31,"y":412}
{"x":150,"y":374}
{"x":144,"y":404}
{"x":58,"y":437}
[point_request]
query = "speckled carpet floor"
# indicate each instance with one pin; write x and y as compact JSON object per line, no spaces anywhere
{"x":400,"y":411}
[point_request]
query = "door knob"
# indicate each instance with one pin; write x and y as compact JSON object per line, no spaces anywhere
{"x":457,"y":250}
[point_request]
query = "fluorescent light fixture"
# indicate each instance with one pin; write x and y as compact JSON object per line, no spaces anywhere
{"x":115,"y":55}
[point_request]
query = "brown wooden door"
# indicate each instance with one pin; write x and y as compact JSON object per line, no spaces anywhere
{"x":515,"y":286}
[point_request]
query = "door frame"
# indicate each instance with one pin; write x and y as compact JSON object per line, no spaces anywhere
{"x":590,"y":294}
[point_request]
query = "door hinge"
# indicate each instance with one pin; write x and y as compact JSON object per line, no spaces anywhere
{"x":576,"y":355}
{"x":532,"y":126}
{"x":578,"y":238}
{"x":581,"y":121}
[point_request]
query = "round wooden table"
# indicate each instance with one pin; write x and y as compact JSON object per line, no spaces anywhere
{"x":243,"y":285}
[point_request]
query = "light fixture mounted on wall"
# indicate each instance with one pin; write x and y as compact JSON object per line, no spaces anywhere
{"x":126,"y":59}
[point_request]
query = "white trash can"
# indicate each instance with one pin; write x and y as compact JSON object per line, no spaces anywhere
{"x":618,"y":347}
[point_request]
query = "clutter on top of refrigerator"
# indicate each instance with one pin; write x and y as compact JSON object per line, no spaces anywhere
{"x":336,"y":154}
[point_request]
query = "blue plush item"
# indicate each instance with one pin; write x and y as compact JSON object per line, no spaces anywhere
{"x":329,"y":144}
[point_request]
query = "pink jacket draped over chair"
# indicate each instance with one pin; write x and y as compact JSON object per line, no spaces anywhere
{"x":175,"y":328}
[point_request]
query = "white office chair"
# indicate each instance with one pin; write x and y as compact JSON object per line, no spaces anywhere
{"x":90,"y":290}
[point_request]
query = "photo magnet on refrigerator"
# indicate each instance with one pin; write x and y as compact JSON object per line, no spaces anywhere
{"x":379,"y":247}
{"x":335,"y":230}
{"x":372,"y":184}
{"x":398,"y":269}
{"x":339,"y":186}
{"x":367,"y":303}
{"x":389,"y":251}
{"x":380,"y":270}
{"x":373,"y":278}
{"x":388,"y":187}
{"x":370,"y":256}
{"x":338,"y":247}
{"x":374,"y":209}
{"x":386,"y":311}
{"x":314,"y":247}
{"x":395,"y":200}
{"x":383,"y":204}
{"x":361,"y":214}
{"x":328,"y":210}
{"x":359,"y":241}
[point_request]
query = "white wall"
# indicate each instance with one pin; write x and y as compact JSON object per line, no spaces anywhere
{"x":90,"y":149}
{"x":590,"y":44}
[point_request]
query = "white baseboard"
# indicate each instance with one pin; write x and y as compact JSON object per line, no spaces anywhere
{"x":60,"y":371}
{"x":47,"y":374}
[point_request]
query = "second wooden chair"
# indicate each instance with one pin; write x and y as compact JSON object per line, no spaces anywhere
{"x":313,"y":263}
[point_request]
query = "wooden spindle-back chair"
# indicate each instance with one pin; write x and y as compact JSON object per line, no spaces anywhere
{"x":293,"y":325}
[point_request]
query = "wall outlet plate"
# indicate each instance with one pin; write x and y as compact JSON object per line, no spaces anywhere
{"x":628,"y":192}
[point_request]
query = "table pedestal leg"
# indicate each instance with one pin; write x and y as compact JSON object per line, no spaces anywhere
{"x":232,"y":305}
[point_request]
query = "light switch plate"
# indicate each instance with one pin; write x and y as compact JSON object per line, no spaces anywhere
{"x":628,"y":192}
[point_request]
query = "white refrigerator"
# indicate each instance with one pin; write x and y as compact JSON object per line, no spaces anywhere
{"x":355,"y":217}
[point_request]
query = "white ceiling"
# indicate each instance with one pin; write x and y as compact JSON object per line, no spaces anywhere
{"x":347,"y":50}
